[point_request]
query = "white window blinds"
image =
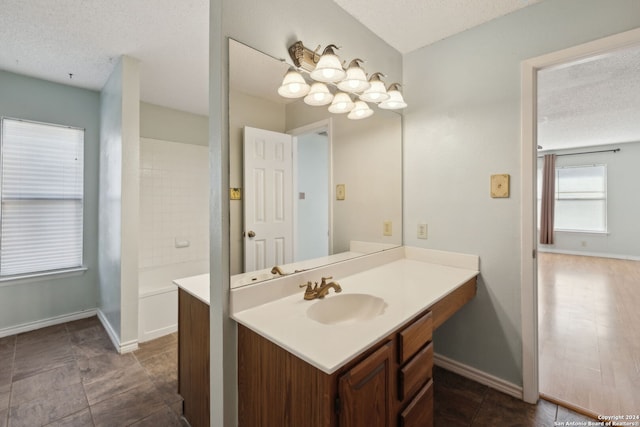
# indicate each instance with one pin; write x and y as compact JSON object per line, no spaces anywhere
{"x":41,"y":196}
{"x":581,"y":198}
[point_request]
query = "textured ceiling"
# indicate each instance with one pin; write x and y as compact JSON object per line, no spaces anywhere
{"x":592,"y":102}
{"x":410,"y":24}
{"x":51,"y":39}
{"x":595,"y":101}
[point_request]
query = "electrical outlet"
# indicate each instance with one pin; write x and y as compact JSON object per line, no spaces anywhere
{"x":422,"y":231}
{"x":387,"y":228}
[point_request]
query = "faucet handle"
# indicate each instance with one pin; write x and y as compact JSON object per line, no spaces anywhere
{"x":324,"y":280}
{"x":307,"y":285}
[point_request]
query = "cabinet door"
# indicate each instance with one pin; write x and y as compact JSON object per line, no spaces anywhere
{"x":365,"y":393}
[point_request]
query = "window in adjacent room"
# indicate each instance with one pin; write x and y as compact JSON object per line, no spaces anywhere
{"x":581,"y":198}
{"x":41,"y":194}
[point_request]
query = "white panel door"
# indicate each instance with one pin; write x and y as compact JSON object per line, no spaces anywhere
{"x":268,"y":199}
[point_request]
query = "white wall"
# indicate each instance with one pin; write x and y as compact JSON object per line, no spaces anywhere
{"x":168,"y":124}
{"x":367,"y":159}
{"x":463,"y":125}
{"x":623,"y":204}
{"x":119,"y":203}
{"x":174,"y":203}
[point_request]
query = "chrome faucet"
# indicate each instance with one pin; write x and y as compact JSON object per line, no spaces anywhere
{"x":277,"y":270}
{"x":320,"y":291}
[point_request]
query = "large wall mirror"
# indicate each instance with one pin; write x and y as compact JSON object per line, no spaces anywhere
{"x":335,"y":191}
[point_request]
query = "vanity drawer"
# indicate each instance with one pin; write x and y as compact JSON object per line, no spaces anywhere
{"x":415,"y":373}
{"x":419,"y":413}
{"x":414,"y":337}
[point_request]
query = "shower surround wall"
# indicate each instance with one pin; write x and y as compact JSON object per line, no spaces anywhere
{"x":174,"y":228}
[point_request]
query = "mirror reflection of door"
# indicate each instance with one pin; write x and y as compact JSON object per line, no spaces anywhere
{"x":268,"y":207}
{"x":312,"y":195}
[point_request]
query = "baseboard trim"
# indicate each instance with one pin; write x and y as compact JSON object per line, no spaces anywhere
{"x":592,"y":254}
{"x":38,"y":324}
{"x":121,"y":348}
{"x":478,"y":376}
{"x":157,"y":333}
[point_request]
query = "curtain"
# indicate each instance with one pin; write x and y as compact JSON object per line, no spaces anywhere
{"x":548,"y":199}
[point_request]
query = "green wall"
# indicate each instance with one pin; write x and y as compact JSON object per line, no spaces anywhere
{"x":33,"y":99}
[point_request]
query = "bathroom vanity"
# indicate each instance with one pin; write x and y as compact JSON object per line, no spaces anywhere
{"x":362,"y":357}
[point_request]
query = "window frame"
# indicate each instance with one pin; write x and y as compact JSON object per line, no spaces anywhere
{"x":63,"y":271}
{"x":605,"y":230}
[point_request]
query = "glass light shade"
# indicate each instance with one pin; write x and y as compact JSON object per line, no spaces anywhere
{"x":376,"y":92}
{"x":342,"y":103}
{"x":361,"y":110}
{"x":318,"y":95}
{"x":328,"y":69}
{"x":395,"y":101}
{"x":293,"y":85}
{"x":355,"y":80}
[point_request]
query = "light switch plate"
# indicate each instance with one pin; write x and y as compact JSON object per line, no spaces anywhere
{"x":422,"y":231}
{"x":340,"y":192}
{"x":387,"y":228}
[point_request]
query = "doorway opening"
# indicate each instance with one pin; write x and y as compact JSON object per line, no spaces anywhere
{"x":532,"y":366}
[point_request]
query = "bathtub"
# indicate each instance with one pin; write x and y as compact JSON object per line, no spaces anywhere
{"x":158,"y":297}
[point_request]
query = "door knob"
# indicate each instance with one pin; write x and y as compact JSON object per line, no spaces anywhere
{"x":251,"y":234}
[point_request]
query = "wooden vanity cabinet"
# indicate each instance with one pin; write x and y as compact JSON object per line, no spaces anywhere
{"x":193,"y":358}
{"x":388,"y":385}
{"x":364,"y":391}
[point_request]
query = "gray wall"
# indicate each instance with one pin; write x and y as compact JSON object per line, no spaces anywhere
{"x":119,"y":200}
{"x":33,"y":99}
{"x":462,"y":125}
{"x":623,"y":204}
{"x":168,"y":124}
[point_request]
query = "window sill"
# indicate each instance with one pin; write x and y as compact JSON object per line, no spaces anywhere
{"x":583,"y":232}
{"x":41,"y":276}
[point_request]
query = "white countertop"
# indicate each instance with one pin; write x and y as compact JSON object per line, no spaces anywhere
{"x":408,"y":279}
{"x":198,"y":286}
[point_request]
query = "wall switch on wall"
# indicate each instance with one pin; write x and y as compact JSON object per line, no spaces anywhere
{"x":387,"y":228}
{"x":422,"y":231}
{"x":340,"y":192}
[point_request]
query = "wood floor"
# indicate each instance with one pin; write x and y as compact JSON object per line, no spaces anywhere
{"x":589,"y":332}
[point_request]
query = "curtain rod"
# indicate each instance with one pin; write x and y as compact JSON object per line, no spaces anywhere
{"x":615,"y":150}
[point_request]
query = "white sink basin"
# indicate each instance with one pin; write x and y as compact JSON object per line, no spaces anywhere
{"x":346,"y":308}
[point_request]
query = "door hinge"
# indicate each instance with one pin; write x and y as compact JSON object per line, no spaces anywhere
{"x":337,"y":405}
{"x":533,"y":254}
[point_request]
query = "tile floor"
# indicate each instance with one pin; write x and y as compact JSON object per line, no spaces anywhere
{"x":70,"y":375}
{"x":459,"y":402}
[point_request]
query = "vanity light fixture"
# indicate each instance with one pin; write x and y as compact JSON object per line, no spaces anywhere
{"x":355,"y":80}
{"x":335,"y":85}
{"x":328,"y":69}
{"x":318,"y":95}
{"x":342,"y":103}
{"x":377,"y":91}
{"x":395,"y":101}
{"x":293,"y":85}
{"x":361,"y":110}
